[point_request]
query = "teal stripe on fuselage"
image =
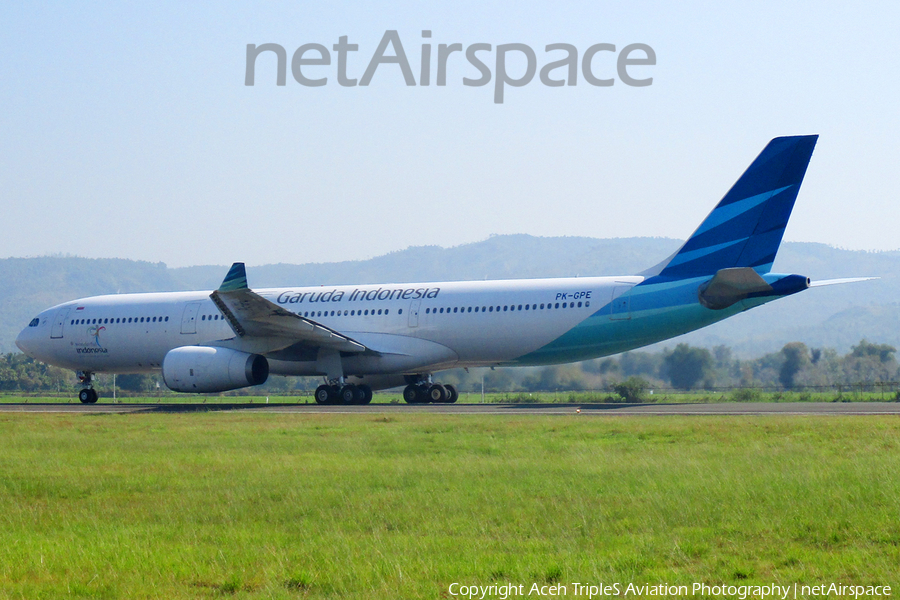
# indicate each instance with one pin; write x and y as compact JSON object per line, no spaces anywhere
{"x":599,"y":336}
{"x":659,"y":311}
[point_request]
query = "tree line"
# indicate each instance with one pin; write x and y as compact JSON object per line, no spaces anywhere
{"x":683,"y":367}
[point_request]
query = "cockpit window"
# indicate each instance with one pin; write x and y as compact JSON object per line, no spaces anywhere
{"x":34,"y":322}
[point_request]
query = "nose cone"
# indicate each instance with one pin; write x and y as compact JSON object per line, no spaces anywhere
{"x":22,"y":341}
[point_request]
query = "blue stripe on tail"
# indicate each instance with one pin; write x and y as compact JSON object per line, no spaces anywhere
{"x":746,"y":227}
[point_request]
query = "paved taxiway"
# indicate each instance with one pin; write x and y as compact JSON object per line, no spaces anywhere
{"x":786,"y":408}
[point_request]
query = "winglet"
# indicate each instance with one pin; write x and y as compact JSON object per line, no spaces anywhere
{"x":236,"y":279}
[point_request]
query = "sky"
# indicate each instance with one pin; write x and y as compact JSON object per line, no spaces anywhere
{"x":127,"y":129}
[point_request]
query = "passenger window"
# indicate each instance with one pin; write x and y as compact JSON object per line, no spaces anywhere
{"x":400,"y":311}
{"x":542,"y":307}
{"x":154,"y":319}
{"x":588,"y":303}
{"x":387,"y":311}
{"x":557,"y":305}
{"x":167,"y":319}
{"x":564,"y":304}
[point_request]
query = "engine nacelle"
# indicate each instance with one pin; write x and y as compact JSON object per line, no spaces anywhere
{"x":207,"y":369}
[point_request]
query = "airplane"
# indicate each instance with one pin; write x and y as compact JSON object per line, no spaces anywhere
{"x":372,"y":337}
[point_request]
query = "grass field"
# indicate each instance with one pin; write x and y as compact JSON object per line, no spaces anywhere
{"x":217,"y":505}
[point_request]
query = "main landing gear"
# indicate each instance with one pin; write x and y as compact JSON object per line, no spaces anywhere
{"x":424,"y":392}
{"x":87,"y":395}
{"x":343,"y":394}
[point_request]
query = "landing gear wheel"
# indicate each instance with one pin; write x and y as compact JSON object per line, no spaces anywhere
{"x":349,"y":394}
{"x":366,"y":394}
{"x":87,"y":396}
{"x":452,"y":394}
{"x":411,"y":394}
{"x":323,"y":394}
{"x":437,"y":393}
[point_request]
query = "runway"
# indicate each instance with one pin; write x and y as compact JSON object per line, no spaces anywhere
{"x":583,"y":410}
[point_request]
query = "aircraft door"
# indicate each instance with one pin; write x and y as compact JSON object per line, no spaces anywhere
{"x":59,"y":321}
{"x":189,"y":317}
{"x":620,"y":309}
{"x":414,"y":313}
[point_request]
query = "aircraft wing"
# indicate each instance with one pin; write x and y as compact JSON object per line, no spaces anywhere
{"x":252,"y":316}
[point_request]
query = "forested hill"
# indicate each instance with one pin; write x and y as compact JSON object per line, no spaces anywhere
{"x":835,"y":316}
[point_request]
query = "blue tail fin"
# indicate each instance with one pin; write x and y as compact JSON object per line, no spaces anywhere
{"x":746,"y":227}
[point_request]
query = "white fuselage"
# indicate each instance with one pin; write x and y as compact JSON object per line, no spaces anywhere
{"x":413,"y":327}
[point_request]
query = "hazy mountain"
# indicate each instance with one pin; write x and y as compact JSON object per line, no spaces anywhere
{"x":835,"y":316}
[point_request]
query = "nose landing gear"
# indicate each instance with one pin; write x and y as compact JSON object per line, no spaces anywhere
{"x":87,"y":395}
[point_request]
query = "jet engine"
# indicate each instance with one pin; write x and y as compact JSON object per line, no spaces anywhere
{"x":207,"y":369}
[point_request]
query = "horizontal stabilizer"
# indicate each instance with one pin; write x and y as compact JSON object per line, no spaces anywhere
{"x":825,"y":282}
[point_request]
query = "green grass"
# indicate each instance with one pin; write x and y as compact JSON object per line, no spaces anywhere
{"x":214,"y":505}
